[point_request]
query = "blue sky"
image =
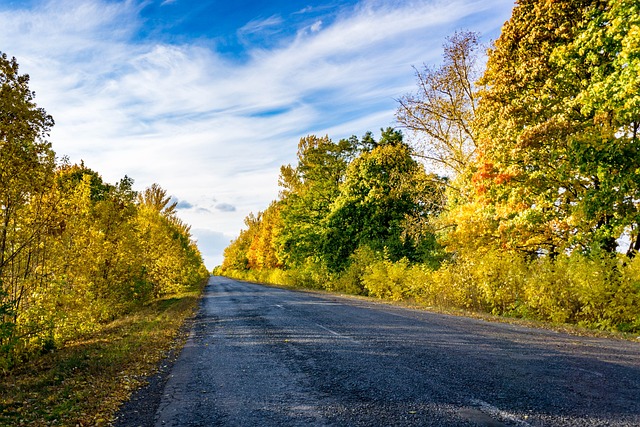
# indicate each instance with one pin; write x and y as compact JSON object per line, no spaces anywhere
{"x":209,"y":98}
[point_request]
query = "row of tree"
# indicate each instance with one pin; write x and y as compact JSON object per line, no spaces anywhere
{"x":540,"y":155}
{"x":74,"y":251}
{"x":339,"y":197}
{"x":544,"y":148}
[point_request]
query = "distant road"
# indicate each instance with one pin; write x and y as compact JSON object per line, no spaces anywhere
{"x":263,"y":356}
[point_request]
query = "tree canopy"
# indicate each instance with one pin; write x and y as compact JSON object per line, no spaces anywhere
{"x":559,"y":145}
{"x":341,"y":197}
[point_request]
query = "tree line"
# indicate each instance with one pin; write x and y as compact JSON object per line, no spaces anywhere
{"x":75,"y":251}
{"x":536,"y":187}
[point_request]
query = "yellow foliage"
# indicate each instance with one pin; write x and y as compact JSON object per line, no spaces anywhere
{"x":601,"y":293}
{"x":387,"y":280}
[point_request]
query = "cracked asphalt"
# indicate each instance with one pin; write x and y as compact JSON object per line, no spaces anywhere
{"x":264,"y":356}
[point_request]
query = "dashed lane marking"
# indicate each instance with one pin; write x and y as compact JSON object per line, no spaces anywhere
{"x":495,"y":412}
{"x":332,"y":332}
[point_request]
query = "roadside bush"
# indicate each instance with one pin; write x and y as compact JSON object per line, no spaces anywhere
{"x":548,"y":293}
{"x":310,"y":275}
{"x":454,"y":285}
{"x":350,"y":281}
{"x":608,"y":292}
{"x":500,"y":279}
{"x":418,"y":278}
{"x":388,"y":280}
{"x":275,"y":276}
{"x":626,"y":301}
{"x":425,"y":288}
{"x":594,"y":283}
{"x":595,"y":292}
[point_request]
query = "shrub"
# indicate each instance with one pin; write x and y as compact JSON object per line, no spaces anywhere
{"x":548,"y":293}
{"x":626,"y":301}
{"x":454,"y":285}
{"x":351,"y":279}
{"x":608,"y":290}
{"x":500,"y":279}
{"x":600,"y":292}
{"x":387,"y":280}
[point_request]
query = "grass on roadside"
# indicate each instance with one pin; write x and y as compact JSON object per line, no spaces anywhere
{"x":85,"y":382}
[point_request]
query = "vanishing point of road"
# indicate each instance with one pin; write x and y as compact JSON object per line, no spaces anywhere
{"x":265,"y":356}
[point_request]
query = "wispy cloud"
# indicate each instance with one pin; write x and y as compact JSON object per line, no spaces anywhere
{"x":304,"y":10}
{"x":316,"y":26}
{"x":201,"y":124}
{"x":182,"y":204}
{"x":225,"y":207}
{"x":258,"y":25}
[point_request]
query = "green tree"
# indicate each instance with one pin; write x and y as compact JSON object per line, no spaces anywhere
{"x":554,"y":171}
{"x":604,"y":62}
{"x":383,"y":191}
{"x":309,"y":190}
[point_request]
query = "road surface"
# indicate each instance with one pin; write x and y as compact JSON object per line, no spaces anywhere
{"x":263,"y":356}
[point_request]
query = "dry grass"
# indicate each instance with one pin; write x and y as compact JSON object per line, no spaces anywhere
{"x":85,"y":382}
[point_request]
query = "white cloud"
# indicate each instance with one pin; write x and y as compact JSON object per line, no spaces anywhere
{"x":211,"y":244}
{"x":225,"y":207}
{"x":304,"y":10}
{"x":258,"y":25}
{"x":199,"y":124}
{"x":316,"y":26}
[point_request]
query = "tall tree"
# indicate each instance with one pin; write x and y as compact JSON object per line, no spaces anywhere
{"x":156,"y":198}
{"x":236,"y":255}
{"x":383,"y":191}
{"x":171,"y":260}
{"x":27,"y":166}
{"x":604,"y":61}
{"x":68,"y":304}
{"x":441,"y":112}
{"x":309,"y":189}
{"x":550,"y":165}
{"x":263,"y":250}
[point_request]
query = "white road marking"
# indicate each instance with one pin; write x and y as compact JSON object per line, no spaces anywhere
{"x":329,"y":330}
{"x":498,"y":413}
{"x":318,"y":303}
{"x":335,"y":333}
{"x":597,"y":374}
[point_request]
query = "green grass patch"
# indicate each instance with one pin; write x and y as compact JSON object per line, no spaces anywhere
{"x":85,"y":382}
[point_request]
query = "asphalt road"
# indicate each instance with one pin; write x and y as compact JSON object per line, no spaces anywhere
{"x":263,"y":356}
